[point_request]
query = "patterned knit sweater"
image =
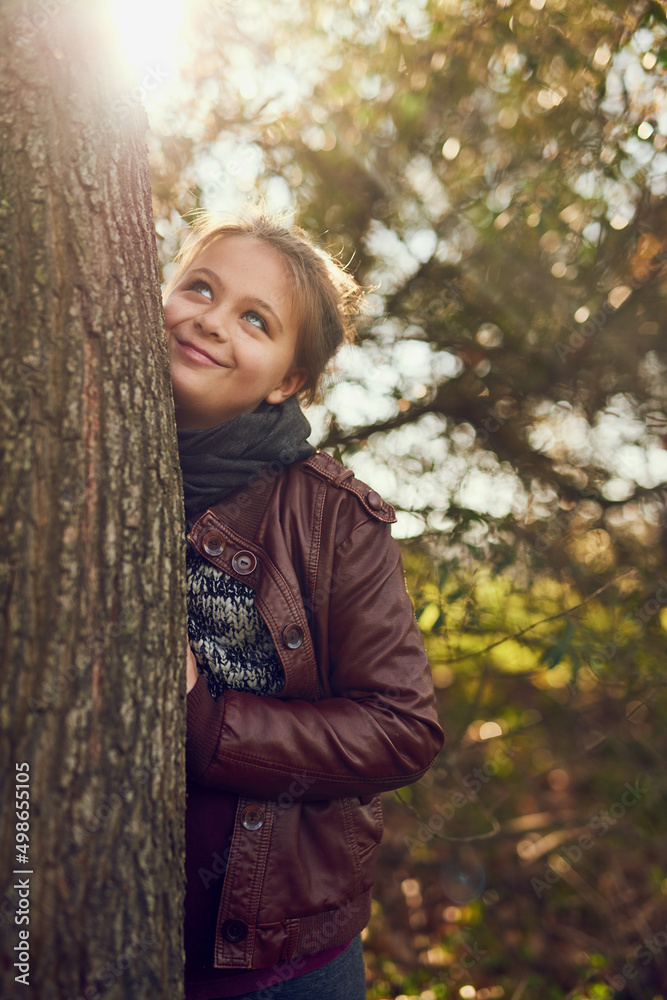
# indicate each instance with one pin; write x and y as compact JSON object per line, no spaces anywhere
{"x":230,"y":641}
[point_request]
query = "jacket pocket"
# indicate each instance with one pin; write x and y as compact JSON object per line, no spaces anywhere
{"x":368,"y":827}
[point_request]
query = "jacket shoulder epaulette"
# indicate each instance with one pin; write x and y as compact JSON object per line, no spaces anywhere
{"x":325,"y":467}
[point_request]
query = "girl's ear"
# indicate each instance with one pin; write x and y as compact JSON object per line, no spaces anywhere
{"x":289,"y":385}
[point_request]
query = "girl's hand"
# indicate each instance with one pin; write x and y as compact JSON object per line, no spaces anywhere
{"x":191,"y":671}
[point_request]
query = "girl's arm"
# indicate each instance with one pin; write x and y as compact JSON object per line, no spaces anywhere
{"x":378,"y":731}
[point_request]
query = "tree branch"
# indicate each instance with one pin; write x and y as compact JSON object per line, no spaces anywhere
{"x":542,"y":621}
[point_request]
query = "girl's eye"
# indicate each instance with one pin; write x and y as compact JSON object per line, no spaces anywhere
{"x":200,"y":286}
{"x":256,"y":320}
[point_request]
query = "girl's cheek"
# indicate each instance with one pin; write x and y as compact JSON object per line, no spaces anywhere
{"x":169,"y":317}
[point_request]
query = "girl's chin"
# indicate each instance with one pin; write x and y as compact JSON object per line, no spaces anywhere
{"x":189,"y":413}
{"x":186,"y":389}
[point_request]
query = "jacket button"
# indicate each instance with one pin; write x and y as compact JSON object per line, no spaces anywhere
{"x":374,"y":500}
{"x":244,"y":562}
{"x":292,"y":636}
{"x":234,"y":930}
{"x":212,"y":543}
{"x":252,"y":817}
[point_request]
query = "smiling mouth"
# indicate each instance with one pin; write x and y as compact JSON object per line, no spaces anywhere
{"x":196,"y":354}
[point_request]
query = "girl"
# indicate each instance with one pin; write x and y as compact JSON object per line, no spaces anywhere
{"x":308,"y":689}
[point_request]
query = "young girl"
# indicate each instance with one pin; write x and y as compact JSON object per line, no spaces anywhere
{"x":308,"y":689}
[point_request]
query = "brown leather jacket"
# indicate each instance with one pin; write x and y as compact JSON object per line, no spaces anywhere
{"x":356,"y":716}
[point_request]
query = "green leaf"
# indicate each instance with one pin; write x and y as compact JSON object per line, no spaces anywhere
{"x":555,"y":654}
{"x":656,"y":11}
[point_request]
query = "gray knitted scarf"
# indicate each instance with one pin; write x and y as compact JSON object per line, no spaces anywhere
{"x":216,"y":461}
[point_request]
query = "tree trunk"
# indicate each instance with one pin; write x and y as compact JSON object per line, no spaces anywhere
{"x":92,"y":575}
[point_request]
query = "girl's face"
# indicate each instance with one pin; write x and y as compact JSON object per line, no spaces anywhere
{"x":232,"y":330}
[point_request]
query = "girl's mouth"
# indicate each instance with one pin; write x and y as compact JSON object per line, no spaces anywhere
{"x":196,"y":354}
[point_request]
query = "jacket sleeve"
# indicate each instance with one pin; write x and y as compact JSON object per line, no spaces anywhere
{"x":377,"y":731}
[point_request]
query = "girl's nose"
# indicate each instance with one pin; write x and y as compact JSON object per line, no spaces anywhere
{"x":212,"y":321}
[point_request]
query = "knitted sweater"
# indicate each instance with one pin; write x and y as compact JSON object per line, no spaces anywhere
{"x":230,"y":641}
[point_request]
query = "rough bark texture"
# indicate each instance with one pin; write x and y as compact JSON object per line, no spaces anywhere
{"x":92,"y":579}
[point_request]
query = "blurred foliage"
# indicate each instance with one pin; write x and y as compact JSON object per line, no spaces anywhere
{"x":496,"y":174}
{"x":536,"y":843}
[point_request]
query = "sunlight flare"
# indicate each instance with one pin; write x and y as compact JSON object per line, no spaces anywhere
{"x":149,"y":39}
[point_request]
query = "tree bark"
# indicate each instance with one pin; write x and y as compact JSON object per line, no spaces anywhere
{"x":92,"y":574}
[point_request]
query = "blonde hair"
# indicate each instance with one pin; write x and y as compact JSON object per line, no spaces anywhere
{"x":328,"y":297}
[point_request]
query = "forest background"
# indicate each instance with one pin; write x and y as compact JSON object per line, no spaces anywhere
{"x":495,"y":174}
